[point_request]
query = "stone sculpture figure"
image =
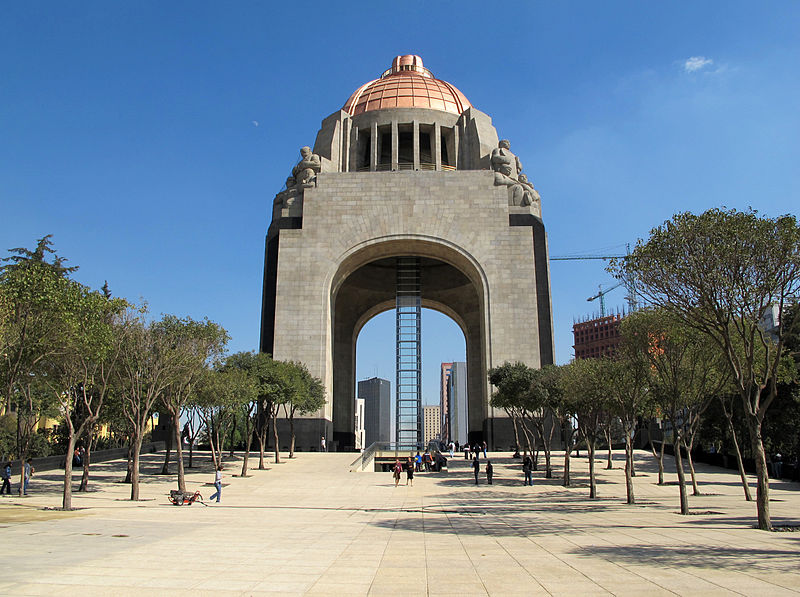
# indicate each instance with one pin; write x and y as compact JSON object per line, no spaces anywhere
{"x":305,"y":172}
{"x":529,"y":194}
{"x":506,"y":168}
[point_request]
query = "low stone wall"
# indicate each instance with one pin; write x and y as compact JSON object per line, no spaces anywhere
{"x":49,"y":463}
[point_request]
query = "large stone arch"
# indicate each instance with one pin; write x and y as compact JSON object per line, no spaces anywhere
{"x":362,"y":285}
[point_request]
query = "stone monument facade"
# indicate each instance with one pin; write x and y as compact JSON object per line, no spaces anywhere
{"x":408,"y":167}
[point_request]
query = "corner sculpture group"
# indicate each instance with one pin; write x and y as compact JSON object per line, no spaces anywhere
{"x":506,"y":166}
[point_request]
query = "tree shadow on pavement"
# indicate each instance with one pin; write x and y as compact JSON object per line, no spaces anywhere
{"x":697,"y":556}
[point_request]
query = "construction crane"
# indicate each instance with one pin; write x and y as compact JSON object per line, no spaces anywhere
{"x":601,"y":295}
{"x":628,"y":282}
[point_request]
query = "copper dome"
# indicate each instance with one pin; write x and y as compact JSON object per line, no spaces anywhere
{"x":407,"y":84}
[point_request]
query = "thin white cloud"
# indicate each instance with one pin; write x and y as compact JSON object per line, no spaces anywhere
{"x":255,"y":122}
{"x":696,"y":63}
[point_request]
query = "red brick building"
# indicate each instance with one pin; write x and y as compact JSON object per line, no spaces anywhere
{"x":596,"y":337}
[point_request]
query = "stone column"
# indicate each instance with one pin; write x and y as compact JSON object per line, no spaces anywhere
{"x":373,"y":147}
{"x":437,"y":145}
{"x":395,"y":146}
{"x":353,"y":149}
{"x":416,"y":145}
{"x":454,"y":157}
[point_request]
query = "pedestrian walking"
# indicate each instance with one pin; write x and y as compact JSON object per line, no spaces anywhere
{"x":418,"y":463}
{"x":27,"y":472}
{"x":6,"y":479}
{"x":476,"y":468}
{"x":466,"y":451}
{"x":484,"y":449}
{"x":410,"y":471}
{"x":396,"y":470}
{"x":489,"y":471}
{"x":323,"y":446}
{"x":527,"y":466}
{"x":452,"y":448}
{"x":217,"y":484}
{"x":777,"y":465}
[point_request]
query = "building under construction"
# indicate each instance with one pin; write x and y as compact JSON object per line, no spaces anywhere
{"x":596,"y":337}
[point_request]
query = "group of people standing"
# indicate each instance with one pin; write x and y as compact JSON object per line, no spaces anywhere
{"x":398,"y":469}
{"x":27,"y":473}
{"x":476,"y":468}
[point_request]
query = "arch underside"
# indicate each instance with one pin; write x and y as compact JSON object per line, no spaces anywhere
{"x":365,"y":286}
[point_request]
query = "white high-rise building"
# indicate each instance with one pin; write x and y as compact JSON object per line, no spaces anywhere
{"x":432,"y":423}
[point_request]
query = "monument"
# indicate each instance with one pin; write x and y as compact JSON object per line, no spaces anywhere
{"x":408,"y":174}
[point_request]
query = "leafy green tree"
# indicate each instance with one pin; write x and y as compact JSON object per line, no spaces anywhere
{"x":685,"y":375}
{"x":721,"y":272}
{"x":33,"y":308}
{"x":586,"y":383}
{"x":219,"y":393}
{"x":307,"y":395}
{"x":194,"y":346}
{"x":513,"y":382}
{"x":628,"y":375}
{"x":145,"y":371}
{"x":246,"y":362}
{"x":80,"y":374}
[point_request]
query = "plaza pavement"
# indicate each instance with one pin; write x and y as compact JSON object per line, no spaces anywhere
{"x":310,"y":527}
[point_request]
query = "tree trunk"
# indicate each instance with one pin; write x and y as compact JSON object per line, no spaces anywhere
{"x":232,"y":437}
{"x":661,"y":463}
{"x":566,"y":466}
{"x":762,"y":493}
{"x":176,"y":429}
{"x":247,"y":443}
{"x":629,"y":468}
{"x":548,"y":471}
{"x":275,"y":436}
{"x":191,"y":452}
{"x":129,"y":470}
{"x":137,"y":450}
{"x":263,"y":430}
{"x":592,"y":484}
{"x":91,"y":439}
{"x":690,"y":460}
{"x":745,"y":485}
{"x":168,"y":442}
{"x":291,"y":433}
{"x":213,"y":448}
{"x":516,"y":431}
{"x":66,"y":502}
{"x":610,"y":461}
{"x":681,"y":476}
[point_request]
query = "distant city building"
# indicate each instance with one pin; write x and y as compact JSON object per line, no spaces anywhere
{"x":376,"y":393}
{"x":360,"y":437}
{"x":444,"y":421}
{"x":457,"y":403}
{"x":432,"y":423}
{"x":596,"y":337}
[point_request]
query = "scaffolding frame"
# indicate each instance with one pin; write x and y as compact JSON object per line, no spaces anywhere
{"x":408,"y":390}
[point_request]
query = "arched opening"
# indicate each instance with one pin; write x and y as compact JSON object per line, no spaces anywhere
{"x":364,"y":286}
{"x":443,"y":341}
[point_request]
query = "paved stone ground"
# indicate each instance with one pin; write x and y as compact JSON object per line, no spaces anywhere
{"x":310,"y":527}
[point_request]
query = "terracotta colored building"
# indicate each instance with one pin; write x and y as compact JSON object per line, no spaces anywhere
{"x":596,"y":337}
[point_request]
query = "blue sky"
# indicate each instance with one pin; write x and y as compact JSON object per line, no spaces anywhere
{"x":127,"y":130}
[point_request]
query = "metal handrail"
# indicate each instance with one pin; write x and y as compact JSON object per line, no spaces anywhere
{"x":404,"y":166}
{"x":360,"y":463}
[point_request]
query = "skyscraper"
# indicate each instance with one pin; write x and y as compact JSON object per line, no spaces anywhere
{"x":457,"y":398}
{"x":444,"y":401}
{"x":376,"y":393}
